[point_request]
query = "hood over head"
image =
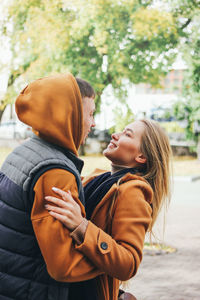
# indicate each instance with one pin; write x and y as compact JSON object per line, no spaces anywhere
{"x":52,"y":106}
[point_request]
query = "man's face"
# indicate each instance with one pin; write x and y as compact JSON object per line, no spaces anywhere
{"x":88,"y":116}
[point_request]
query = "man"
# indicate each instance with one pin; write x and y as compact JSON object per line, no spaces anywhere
{"x":60,"y":111}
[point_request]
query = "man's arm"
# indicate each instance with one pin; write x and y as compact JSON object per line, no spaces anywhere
{"x":63,"y":261}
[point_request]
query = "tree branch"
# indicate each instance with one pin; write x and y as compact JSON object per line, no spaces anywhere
{"x":186,"y":24}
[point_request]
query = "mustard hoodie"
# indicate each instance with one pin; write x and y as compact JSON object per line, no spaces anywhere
{"x":52,"y":106}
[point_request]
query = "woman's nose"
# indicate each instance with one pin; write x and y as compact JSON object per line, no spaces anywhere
{"x":93,"y":123}
{"x":115,"y":136}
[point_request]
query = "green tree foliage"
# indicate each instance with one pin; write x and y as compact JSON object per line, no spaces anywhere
{"x":102,"y":41}
{"x":123,"y":116}
{"x":188,"y":108}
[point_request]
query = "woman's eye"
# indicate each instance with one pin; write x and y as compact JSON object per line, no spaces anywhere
{"x":126,"y":133}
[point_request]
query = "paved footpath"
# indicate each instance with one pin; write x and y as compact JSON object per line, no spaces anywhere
{"x":177,"y":275}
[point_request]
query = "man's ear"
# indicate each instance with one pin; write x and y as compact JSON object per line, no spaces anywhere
{"x":141,"y":159}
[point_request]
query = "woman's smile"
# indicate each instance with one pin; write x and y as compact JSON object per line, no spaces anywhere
{"x":112,"y":145}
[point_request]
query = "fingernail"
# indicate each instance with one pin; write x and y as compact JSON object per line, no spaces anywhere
{"x":54,"y":189}
{"x":46,"y":206}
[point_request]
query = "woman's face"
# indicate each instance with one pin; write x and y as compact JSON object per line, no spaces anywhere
{"x":124,"y":147}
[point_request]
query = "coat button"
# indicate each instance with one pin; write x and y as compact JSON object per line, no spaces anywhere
{"x":104,"y":245}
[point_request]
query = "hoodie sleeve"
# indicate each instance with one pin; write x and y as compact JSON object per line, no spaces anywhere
{"x":63,"y":261}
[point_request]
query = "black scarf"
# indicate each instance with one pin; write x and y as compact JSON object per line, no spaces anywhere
{"x":97,"y":188}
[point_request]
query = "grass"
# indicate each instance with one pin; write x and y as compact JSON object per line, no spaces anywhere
{"x":186,"y":166}
{"x":3,"y":153}
{"x":157,"y":249}
{"x":183,"y":166}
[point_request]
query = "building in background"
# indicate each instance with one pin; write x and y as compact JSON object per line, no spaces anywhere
{"x":142,"y":99}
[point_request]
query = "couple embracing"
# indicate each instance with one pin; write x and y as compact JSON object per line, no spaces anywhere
{"x":66,"y":239}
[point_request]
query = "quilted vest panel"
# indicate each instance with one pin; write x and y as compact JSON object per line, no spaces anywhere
{"x":23,"y":274}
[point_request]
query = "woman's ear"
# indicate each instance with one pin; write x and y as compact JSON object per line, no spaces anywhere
{"x":141,"y":159}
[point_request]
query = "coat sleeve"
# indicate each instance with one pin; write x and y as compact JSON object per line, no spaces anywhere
{"x":63,"y":261}
{"x":120,"y":255}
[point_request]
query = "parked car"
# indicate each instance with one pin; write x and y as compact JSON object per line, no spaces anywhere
{"x":15,"y":130}
{"x":162,"y":114}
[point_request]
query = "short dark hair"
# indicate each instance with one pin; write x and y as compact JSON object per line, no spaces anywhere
{"x":85,"y":88}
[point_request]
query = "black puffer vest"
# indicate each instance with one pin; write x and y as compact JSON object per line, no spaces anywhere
{"x":23,"y":273}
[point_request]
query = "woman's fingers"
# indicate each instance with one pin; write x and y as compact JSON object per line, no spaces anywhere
{"x":63,"y":194}
{"x":66,"y":217}
{"x":65,"y":210}
{"x":57,"y":201}
{"x":58,"y":210}
{"x":58,"y":217}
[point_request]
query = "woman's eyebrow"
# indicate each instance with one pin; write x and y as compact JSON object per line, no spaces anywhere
{"x":128,"y":129}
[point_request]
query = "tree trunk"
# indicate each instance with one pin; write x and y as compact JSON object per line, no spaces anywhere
{"x":1,"y":113}
{"x":198,"y":148}
{"x":82,"y":150}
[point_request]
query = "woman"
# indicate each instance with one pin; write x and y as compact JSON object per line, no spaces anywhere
{"x":121,"y":205}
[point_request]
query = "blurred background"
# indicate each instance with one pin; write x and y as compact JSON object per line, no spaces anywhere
{"x":141,"y":56}
{"x":143,"y":59}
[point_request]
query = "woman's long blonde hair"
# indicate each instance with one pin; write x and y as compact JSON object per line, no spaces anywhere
{"x":156,"y":148}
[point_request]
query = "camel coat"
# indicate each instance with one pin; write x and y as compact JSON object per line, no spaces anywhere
{"x":118,"y":253}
